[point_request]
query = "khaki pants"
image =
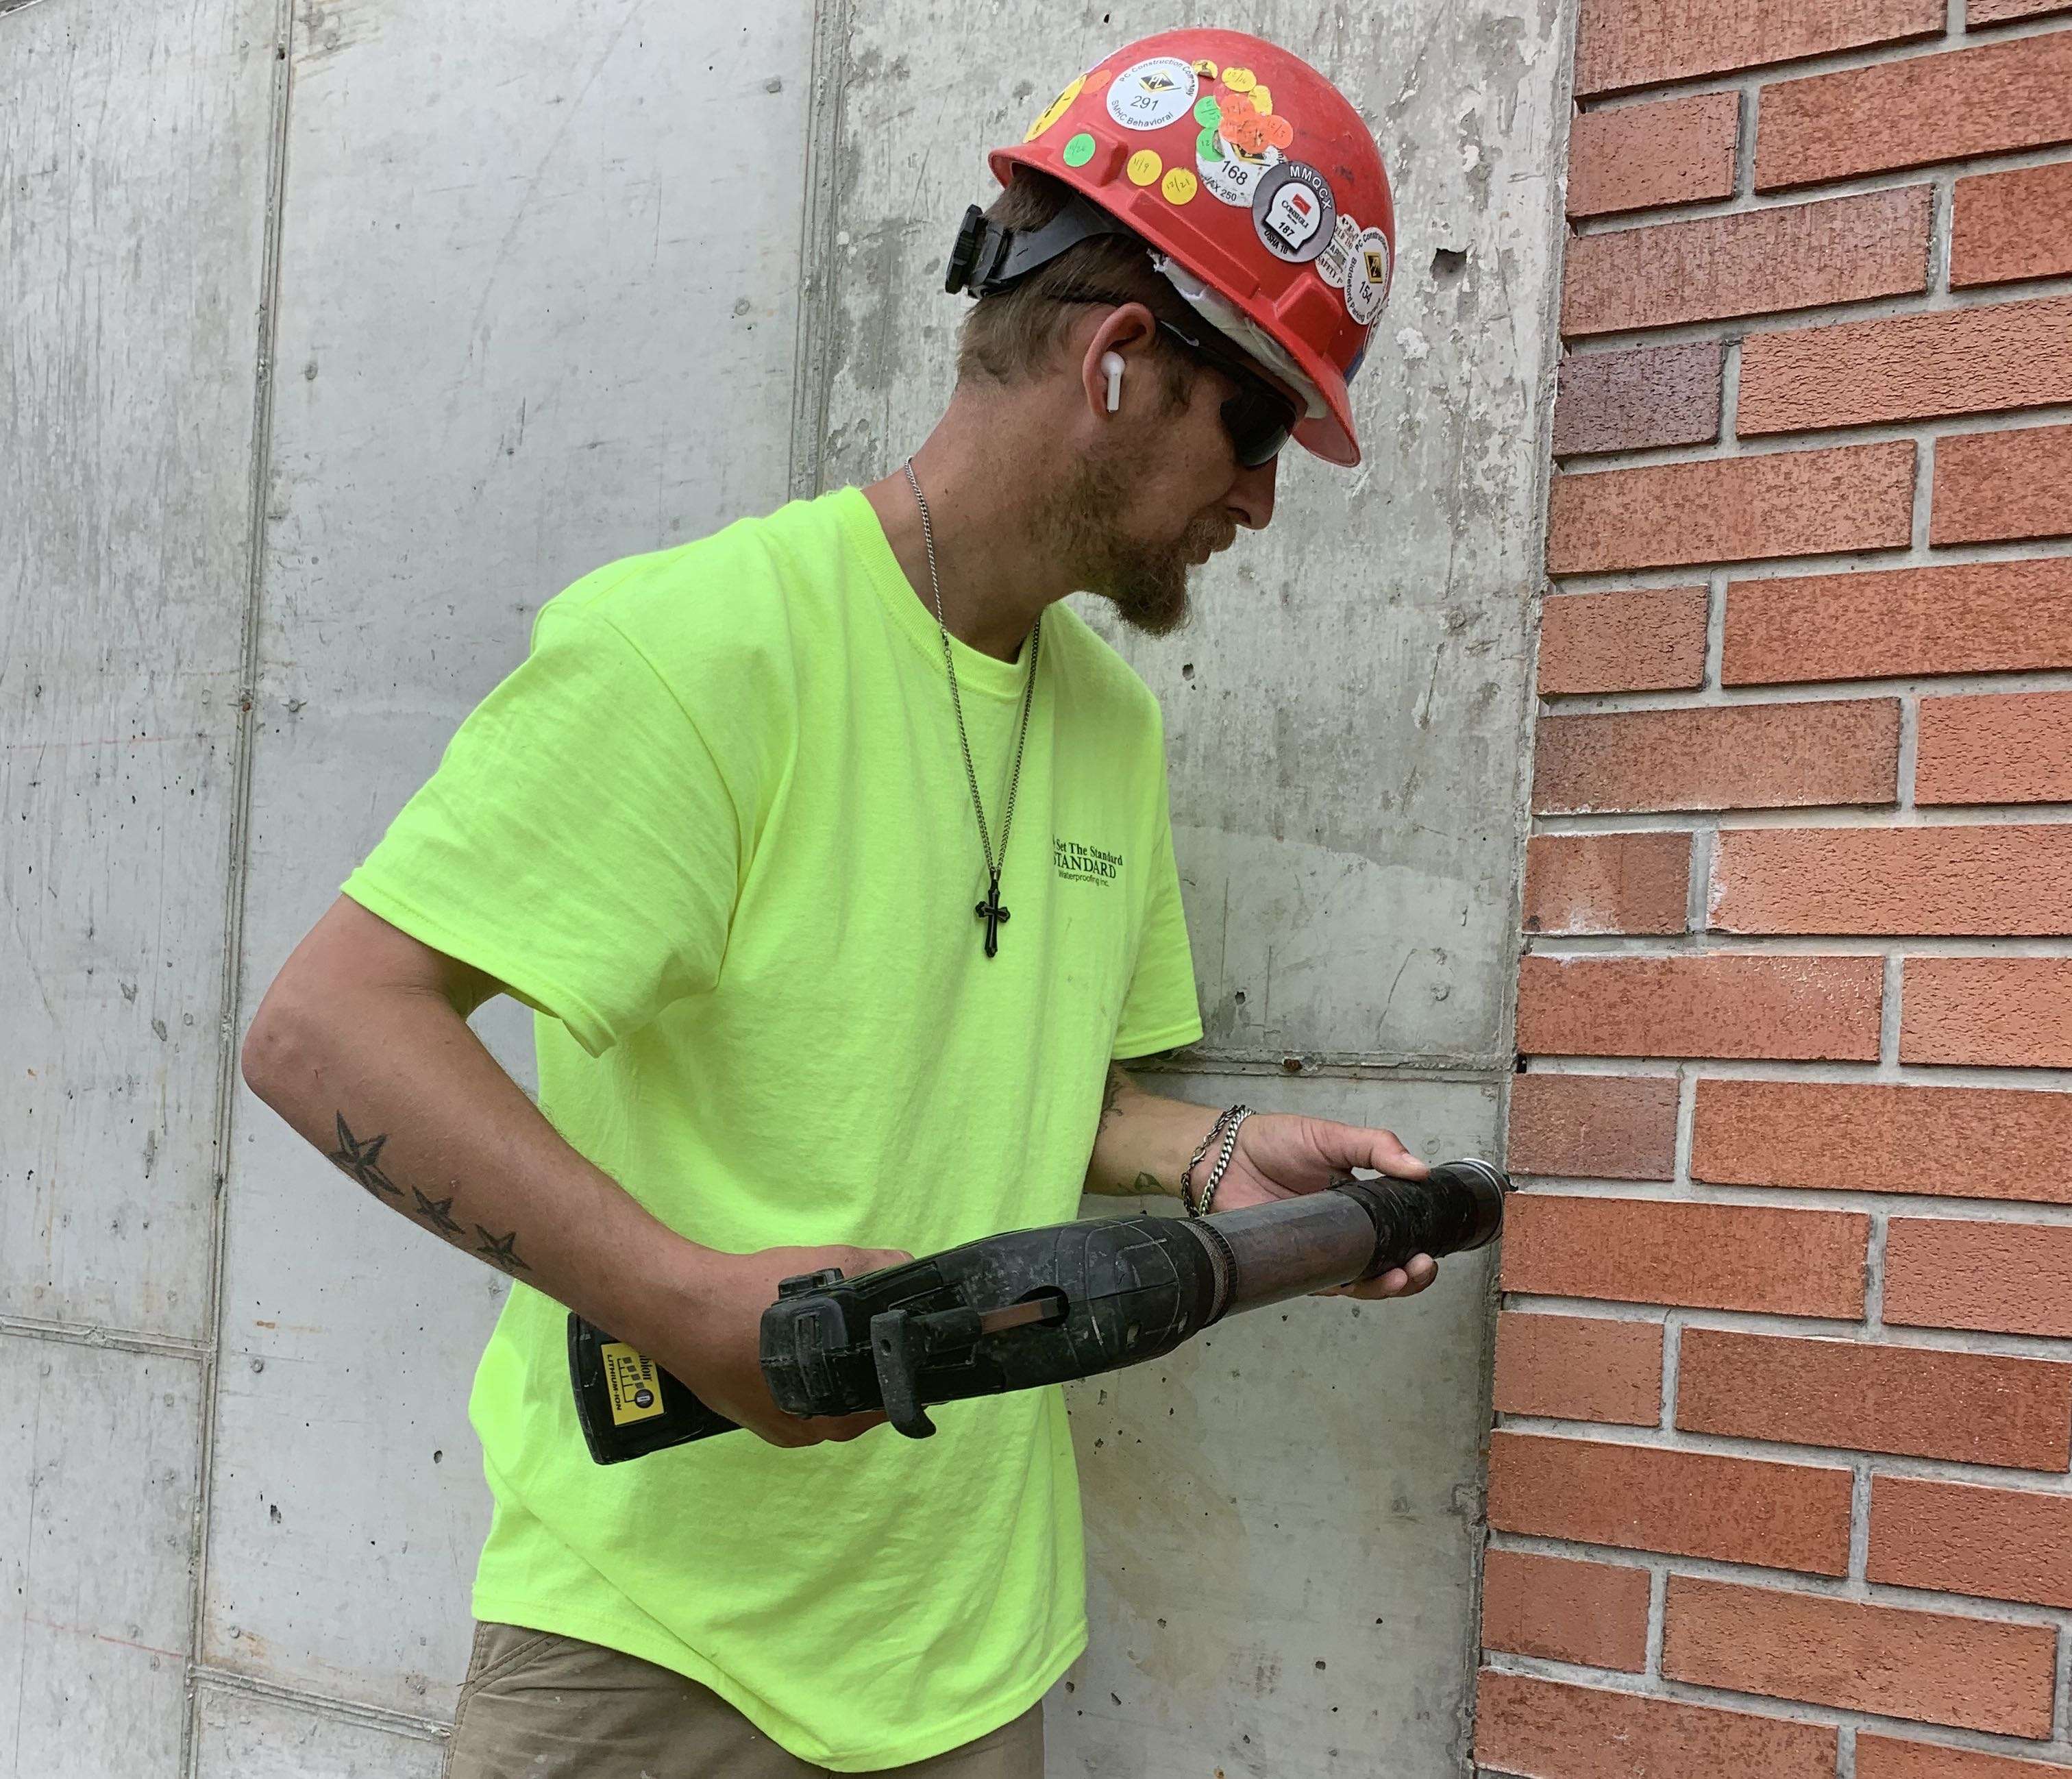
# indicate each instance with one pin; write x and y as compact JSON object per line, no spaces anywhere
{"x":535,"y":1705}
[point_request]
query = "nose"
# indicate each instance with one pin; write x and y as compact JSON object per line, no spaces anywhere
{"x":1251,"y":497}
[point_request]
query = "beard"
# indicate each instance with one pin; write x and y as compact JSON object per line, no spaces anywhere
{"x":1145,"y":583}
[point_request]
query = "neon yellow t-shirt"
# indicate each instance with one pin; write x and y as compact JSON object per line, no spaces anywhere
{"x":716,"y":831}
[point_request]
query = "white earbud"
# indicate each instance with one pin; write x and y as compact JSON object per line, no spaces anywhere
{"x":1111,"y":362}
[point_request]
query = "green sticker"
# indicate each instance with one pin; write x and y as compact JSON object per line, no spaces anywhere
{"x":1079,"y":150}
{"x":1207,"y":147}
{"x":1207,"y":111}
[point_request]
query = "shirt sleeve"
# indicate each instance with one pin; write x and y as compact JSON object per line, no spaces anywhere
{"x":1161,"y":1011}
{"x":579,"y":842}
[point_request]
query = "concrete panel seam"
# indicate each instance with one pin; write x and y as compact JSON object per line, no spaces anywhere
{"x":170,"y":1346}
{"x":1346,"y":1065}
{"x":812,"y":367}
{"x":344,"y":1711}
{"x":236,"y":873}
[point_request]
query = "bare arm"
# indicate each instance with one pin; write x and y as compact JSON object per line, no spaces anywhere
{"x":1144,"y":1141}
{"x":362,"y":1043}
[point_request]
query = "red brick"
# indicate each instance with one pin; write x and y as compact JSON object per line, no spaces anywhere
{"x":1798,"y":256}
{"x":1721,"y":1257}
{"x":1995,"y":1012}
{"x":1867,"y":1136}
{"x":1691,"y":1503}
{"x":2005,"y":355}
{"x":1550,"y":1730}
{"x":1984,"y":100}
{"x":1622,"y":642}
{"x":2009,"y":747}
{"x":2001,"y":232}
{"x":1990,"y":485}
{"x":1882,"y":1757}
{"x":1810,"y":1009}
{"x":1627,"y":401}
{"x":1607,"y":882}
{"x":1737,"y":756}
{"x":1637,"y":42}
{"x":1932,"y":1667}
{"x":1594,"y":1126}
{"x":1970,"y":879}
{"x":1974,"y":1407}
{"x":1673,"y":151}
{"x":1592,"y":1613}
{"x":1734,"y":509}
{"x":1988,"y":12}
{"x":1969,"y":618}
{"x":1944,"y":1272}
{"x":1578,"y":1367}
{"x":1999,"y":1543}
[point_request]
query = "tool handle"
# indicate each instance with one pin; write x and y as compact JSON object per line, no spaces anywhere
{"x":626,"y":1404}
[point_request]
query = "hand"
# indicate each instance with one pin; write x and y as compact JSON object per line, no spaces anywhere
{"x":1281,"y":1155}
{"x":720,"y":1356}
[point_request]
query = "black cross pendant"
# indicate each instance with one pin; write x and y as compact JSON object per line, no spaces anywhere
{"x":990,"y":912}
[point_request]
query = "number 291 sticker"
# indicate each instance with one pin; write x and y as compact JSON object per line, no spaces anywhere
{"x":1150,"y":95}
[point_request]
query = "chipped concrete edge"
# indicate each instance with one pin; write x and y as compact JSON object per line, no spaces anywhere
{"x":1562,"y":108}
{"x":812,"y":367}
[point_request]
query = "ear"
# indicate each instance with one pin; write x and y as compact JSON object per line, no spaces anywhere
{"x":1127,"y":333}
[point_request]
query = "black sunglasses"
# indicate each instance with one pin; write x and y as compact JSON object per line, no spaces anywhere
{"x":1259,"y":418}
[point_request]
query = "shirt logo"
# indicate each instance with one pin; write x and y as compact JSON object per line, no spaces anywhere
{"x":1084,"y":864}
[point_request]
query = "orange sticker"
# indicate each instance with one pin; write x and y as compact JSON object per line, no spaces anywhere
{"x":1145,"y":167}
{"x":1245,"y":129}
{"x":1279,"y":133}
{"x":1097,"y":79}
{"x":1179,"y":186}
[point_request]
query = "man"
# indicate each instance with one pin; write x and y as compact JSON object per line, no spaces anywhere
{"x":833,"y":852}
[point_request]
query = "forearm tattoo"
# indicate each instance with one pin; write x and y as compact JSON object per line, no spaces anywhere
{"x":361,"y":1157}
{"x":1112,"y":1097}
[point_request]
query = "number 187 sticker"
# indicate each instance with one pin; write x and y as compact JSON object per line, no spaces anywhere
{"x":1150,"y":95}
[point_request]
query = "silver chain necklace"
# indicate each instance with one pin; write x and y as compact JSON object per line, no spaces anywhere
{"x":988,"y":910}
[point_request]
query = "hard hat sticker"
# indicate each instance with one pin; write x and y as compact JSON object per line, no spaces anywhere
{"x":1058,"y":107}
{"x":1145,"y":167}
{"x":1240,"y":80}
{"x":1294,"y":212}
{"x":1179,"y":186}
{"x":1234,"y":176}
{"x":1150,"y":95}
{"x":1367,"y":277}
{"x":1079,"y":150}
{"x":1206,"y":67}
{"x":1244,"y":129}
{"x":1336,"y":260}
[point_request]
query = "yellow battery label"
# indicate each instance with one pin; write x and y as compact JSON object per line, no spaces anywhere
{"x":632,"y":1383}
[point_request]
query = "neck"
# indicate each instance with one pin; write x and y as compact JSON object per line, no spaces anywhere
{"x":997,"y":570}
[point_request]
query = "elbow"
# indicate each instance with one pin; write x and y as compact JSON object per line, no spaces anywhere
{"x":275,"y":1039}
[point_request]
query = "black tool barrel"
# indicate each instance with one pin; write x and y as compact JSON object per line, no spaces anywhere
{"x":1295,"y":1245}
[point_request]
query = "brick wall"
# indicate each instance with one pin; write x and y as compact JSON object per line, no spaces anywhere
{"x":1778,"y":1486}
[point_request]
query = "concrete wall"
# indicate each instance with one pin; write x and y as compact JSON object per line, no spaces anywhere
{"x":338,"y":334}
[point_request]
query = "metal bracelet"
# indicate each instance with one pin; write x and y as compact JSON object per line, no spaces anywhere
{"x":1237,"y":1115}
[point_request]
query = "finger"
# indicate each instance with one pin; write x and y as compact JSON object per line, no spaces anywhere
{"x":1386,"y":1155}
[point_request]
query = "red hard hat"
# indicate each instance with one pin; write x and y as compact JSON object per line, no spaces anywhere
{"x":1248,"y":169}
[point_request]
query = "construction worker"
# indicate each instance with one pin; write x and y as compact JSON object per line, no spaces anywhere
{"x":832,"y":852}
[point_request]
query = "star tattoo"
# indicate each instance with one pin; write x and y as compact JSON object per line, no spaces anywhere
{"x":434,"y":1210}
{"x":496,"y":1251}
{"x":358,"y":1159}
